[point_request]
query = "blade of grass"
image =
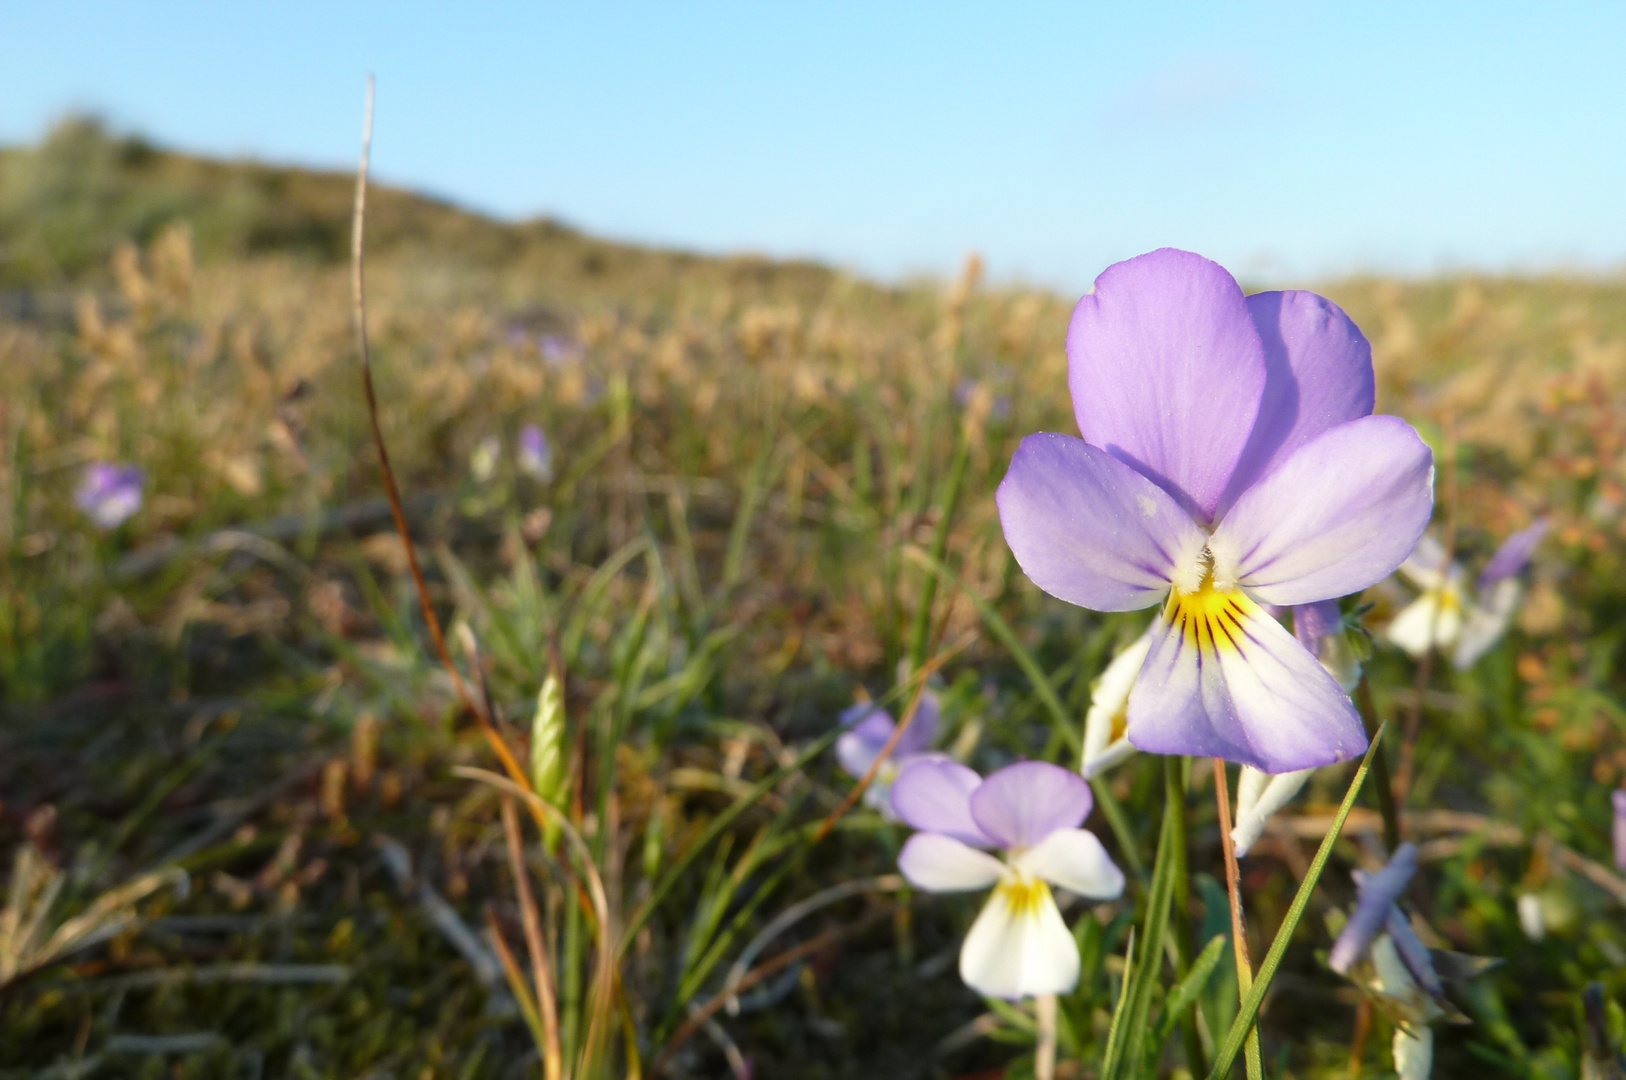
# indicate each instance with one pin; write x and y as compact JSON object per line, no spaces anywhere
{"x":1187,"y":991}
{"x":1131,"y":1047}
{"x":1226,"y":1056}
{"x":1115,"y":1030}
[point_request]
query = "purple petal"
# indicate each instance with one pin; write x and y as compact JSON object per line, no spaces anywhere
{"x":1226,"y":680}
{"x":1021,"y":804}
{"x":110,"y":494}
{"x":1312,"y":622}
{"x":935,"y":796}
{"x":1340,"y":514}
{"x":922,"y":730}
{"x":1515,"y":551}
{"x":1378,"y":893}
{"x":939,"y":863}
{"x":1166,"y":370}
{"x":1620,"y":830}
{"x":1088,"y":529}
{"x":1318,"y":374}
{"x":1413,"y":953}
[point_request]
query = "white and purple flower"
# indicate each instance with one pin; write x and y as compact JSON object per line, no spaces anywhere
{"x":535,"y":454}
{"x":1450,"y":617}
{"x":1230,"y":460}
{"x":869,"y":729}
{"x":1402,"y":972}
{"x":1019,"y":945}
{"x":110,"y":494}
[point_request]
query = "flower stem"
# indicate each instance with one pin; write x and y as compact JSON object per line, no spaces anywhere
{"x":1044,"y":1055}
{"x":1239,"y":935}
{"x":1380,"y":767}
{"x":1174,"y":784}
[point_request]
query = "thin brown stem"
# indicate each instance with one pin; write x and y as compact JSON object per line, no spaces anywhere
{"x":358,"y":288}
{"x":1425,"y":666}
{"x":1239,"y":930}
{"x":531,"y":919}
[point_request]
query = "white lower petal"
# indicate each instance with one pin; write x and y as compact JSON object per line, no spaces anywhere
{"x":1277,"y":793}
{"x":1019,"y":945}
{"x":939,"y":863}
{"x":1486,"y":622}
{"x":1224,"y":679}
{"x":1074,"y":860}
{"x":1433,"y":619}
{"x":1414,"y":1052}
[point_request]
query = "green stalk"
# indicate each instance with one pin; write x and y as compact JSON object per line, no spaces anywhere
{"x":919,"y":640}
{"x":1382,"y":786}
{"x":1175,"y":772}
{"x":1127,"y":1053}
{"x":1245,"y":1017}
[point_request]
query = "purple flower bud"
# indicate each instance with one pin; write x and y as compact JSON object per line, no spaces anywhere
{"x":1378,"y":893}
{"x":1620,"y":830}
{"x":110,"y":494}
{"x":535,"y":454}
{"x":1514,"y":553}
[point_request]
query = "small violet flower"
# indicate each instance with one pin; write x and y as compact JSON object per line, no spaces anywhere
{"x":1620,"y":830}
{"x":1230,"y":460}
{"x":869,"y":729}
{"x":110,"y":494}
{"x":1018,"y":945}
{"x":535,"y":454}
{"x":1450,"y":617}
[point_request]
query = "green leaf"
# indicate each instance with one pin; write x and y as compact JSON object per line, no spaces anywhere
{"x":1226,"y":1056}
{"x":1186,"y":993}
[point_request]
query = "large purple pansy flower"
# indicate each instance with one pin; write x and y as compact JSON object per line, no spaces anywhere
{"x":1230,"y":460}
{"x":1019,"y":945}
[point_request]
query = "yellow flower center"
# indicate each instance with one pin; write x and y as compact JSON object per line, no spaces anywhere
{"x":1210,"y":619}
{"x":1022,"y":894}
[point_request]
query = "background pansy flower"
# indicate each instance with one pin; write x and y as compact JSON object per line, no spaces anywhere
{"x":1106,"y":725}
{"x":1400,"y":972}
{"x":1620,"y":830}
{"x":535,"y":453}
{"x":870,"y":727}
{"x":1018,"y":945}
{"x":110,"y":494}
{"x":1229,"y":460}
{"x":1450,"y":617}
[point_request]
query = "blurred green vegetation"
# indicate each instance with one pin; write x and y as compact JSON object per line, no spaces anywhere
{"x":237,"y":681}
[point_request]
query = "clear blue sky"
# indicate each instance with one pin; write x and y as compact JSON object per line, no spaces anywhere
{"x":1290,"y":141}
